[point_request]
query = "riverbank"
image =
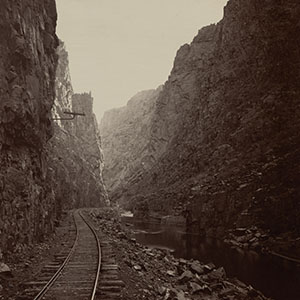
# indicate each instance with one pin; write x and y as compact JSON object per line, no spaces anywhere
{"x":157,"y":274}
{"x":285,"y":245}
{"x":275,"y":275}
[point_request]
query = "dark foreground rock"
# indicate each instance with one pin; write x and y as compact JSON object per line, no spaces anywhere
{"x":28,"y":60}
{"x":156,"y":274}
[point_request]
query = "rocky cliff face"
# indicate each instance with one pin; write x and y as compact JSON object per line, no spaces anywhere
{"x":63,"y":87}
{"x":89,"y":143}
{"x":225,"y":132}
{"x":27,"y":75}
{"x":125,"y":136}
{"x":76,"y":154}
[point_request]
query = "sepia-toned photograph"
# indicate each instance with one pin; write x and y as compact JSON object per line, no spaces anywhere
{"x":149,"y":150}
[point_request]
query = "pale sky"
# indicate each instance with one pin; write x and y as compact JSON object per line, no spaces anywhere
{"x":120,"y":47}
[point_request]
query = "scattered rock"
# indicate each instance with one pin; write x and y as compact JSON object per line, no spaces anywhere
{"x":4,"y":268}
{"x":209,"y":267}
{"x":181,"y":296}
{"x":128,"y":262}
{"x":195,"y":287}
{"x":161,"y":290}
{"x":121,"y":235}
{"x":171,"y":273}
{"x":217,"y":274}
{"x":197,"y":267}
{"x":146,"y":291}
{"x":137,"y":268}
{"x":170,"y":278}
{"x":5,"y":271}
{"x":185,"y":277}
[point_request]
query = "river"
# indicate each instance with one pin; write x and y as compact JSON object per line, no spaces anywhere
{"x":275,"y":277}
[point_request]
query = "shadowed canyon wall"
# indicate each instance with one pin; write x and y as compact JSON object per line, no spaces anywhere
{"x":27,"y":77}
{"x":46,"y":166}
{"x":224,"y":136}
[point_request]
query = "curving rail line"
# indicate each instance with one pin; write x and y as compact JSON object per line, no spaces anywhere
{"x":68,"y":282}
{"x":99,"y":257}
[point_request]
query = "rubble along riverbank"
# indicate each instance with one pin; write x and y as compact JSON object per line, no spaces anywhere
{"x":274,"y":276}
{"x":157,"y":274}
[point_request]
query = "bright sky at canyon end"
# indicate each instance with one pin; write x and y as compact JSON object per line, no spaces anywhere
{"x":120,"y":47}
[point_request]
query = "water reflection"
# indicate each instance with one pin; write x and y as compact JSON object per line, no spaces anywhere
{"x":276,"y":278}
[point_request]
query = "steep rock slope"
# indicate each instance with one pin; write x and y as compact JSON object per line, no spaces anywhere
{"x":125,"y":134}
{"x":225,"y":133}
{"x":63,"y":87}
{"x":76,"y":154}
{"x":27,"y":74}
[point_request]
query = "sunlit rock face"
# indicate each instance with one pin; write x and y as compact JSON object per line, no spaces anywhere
{"x":225,"y":131}
{"x":63,"y":87}
{"x":89,"y":143}
{"x":76,"y":154}
{"x":125,"y":135}
{"x":27,"y":75}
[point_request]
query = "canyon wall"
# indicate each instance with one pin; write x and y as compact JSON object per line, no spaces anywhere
{"x":76,"y":155}
{"x":224,"y":137}
{"x":46,"y":166}
{"x":27,"y":77}
{"x":125,"y":135}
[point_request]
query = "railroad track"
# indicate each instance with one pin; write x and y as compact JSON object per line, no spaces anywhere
{"x":86,"y":271}
{"x":76,"y":273}
{"x":78,"y":276}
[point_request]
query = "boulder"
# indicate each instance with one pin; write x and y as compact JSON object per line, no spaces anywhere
{"x":137,"y":267}
{"x":161,"y":290}
{"x":197,"y":268}
{"x":185,"y":277}
{"x":171,"y":273}
{"x":5,"y":271}
{"x":209,"y":267}
{"x":195,"y":287}
{"x":4,"y":268}
{"x":218,"y":274}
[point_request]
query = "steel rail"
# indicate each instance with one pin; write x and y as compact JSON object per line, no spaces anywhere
{"x":99,"y":255}
{"x":48,"y":285}
{"x":58,"y":272}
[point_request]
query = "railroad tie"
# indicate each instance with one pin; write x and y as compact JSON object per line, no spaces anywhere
{"x":85,"y":271}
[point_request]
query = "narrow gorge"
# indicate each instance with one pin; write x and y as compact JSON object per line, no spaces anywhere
{"x":219,"y":143}
{"x":189,"y":191}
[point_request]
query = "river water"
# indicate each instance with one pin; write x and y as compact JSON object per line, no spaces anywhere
{"x":276,"y":278}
